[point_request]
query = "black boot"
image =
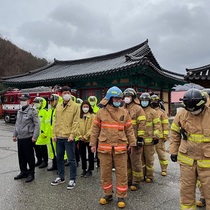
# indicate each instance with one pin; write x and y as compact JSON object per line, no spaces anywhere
{"x":43,"y":165}
{"x":21,"y":176}
{"x":38,"y":163}
{"x":30,"y":178}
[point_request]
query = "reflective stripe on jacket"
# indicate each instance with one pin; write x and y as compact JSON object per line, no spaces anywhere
{"x":112,"y":129}
{"x":153,"y":125}
{"x":138,"y":118}
{"x":196,"y":149}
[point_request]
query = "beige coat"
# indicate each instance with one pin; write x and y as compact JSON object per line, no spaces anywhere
{"x":66,"y":120}
{"x":112,"y":129}
{"x":85,"y":125}
{"x":153,"y":125}
{"x":138,"y":118}
{"x":197,"y":146}
{"x":164,"y":124}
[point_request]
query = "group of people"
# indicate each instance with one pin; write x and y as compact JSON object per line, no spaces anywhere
{"x":123,"y":133}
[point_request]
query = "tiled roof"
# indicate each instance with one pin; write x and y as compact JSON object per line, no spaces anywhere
{"x":201,"y":73}
{"x":74,"y":70}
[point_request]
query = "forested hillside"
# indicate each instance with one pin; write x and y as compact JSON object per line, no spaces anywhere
{"x":14,"y":60}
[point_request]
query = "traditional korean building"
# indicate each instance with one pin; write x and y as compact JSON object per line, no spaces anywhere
{"x":135,"y":67}
{"x":199,"y":76}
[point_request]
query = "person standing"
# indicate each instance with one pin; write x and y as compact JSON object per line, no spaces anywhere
{"x":43,"y":140}
{"x":85,"y":125}
{"x":138,"y":118}
{"x":112,"y":131}
{"x":54,"y":100}
{"x":26,"y":133}
{"x":153,"y":128}
{"x":190,"y":146}
{"x":65,"y":128}
{"x":160,"y":147}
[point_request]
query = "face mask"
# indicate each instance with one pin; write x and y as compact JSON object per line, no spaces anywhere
{"x":66,"y":97}
{"x":154,"y":105}
{"x":116,"y":104}
{"x":127,"y":100}
{"x":197,"y":112}
{"x":85,"y":109}
{"x":144,"y":103}
{"x":36,"y":105}
{"x":92,"y":103}
{"x":23,"y":103}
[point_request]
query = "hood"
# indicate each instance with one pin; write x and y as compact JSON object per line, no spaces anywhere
{"x":96,"y":100}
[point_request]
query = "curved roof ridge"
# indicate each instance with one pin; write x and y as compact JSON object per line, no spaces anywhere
{"x":106,"y":56}
{"x":174,"y":73}
{"x":199,"y":68}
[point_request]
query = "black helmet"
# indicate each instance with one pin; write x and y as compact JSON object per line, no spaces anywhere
{"x":145,"y":97}
{"x":194,"y":100}
{"x":155,"y":97}
{"x":154,"y":101}
{"x":129,"y":92}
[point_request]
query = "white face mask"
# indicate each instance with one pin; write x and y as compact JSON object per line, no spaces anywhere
{"x":23,"y":103}
{"x":66,"y":97}
{"x":197,"y":112}
{"x":36,"y":105}
{"x":127,"y":100}
{"x":85,"y":109}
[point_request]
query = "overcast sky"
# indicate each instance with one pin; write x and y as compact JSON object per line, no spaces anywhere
{"x":178,"y":30}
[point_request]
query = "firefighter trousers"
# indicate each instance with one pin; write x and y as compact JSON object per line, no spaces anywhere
{"x":120,"y":163}
{"x":188,"y":180}
{"x":161,"y":151}
{"x":148,"y":161}
{"x":135,"y":172}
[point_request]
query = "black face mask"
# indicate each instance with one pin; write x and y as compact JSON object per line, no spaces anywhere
{"x":154,"y":105}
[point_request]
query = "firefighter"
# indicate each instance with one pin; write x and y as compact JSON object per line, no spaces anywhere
{"x":138,"y":118}
{"x":112,"y":130}
{"x":190,"y":146}
{"x":54,"y":100}
{"x":160,"y":147}
{"x":202,"y":202}
{"x":42,"y":141}
{"x":153,"y":127}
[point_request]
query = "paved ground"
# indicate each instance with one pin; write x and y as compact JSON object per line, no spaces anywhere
{"x":163,"y":194}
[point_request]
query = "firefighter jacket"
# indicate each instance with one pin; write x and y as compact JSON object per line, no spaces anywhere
{"x":27,"y":124}
{"x":153,"y":126}
{"x":164,"y":123}
{"x":85,"y":125}
{"x":66,"y":120}
{"x":112,"y":130}
{"x":138,"y":118}
{"x":43,"y":139}
{"x":197,"y":146}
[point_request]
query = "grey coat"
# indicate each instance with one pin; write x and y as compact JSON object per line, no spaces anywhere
{"x":27,"y":124}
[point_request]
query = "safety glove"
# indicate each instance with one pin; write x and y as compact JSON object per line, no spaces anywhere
{"x":174,"y":158}
{"x":139,"y":142}
{"x":155,"y":141}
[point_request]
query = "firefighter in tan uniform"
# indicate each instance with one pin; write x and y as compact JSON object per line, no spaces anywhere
{"x":113,"y":132}
{"x":201,"y":202}
{"x":190,"y":145}
{"x":153,"y":128}
{"x":160,"y":147}
{"x":138,"y":118}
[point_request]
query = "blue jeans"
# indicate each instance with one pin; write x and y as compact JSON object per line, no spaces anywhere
{"x":63,"y":145}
